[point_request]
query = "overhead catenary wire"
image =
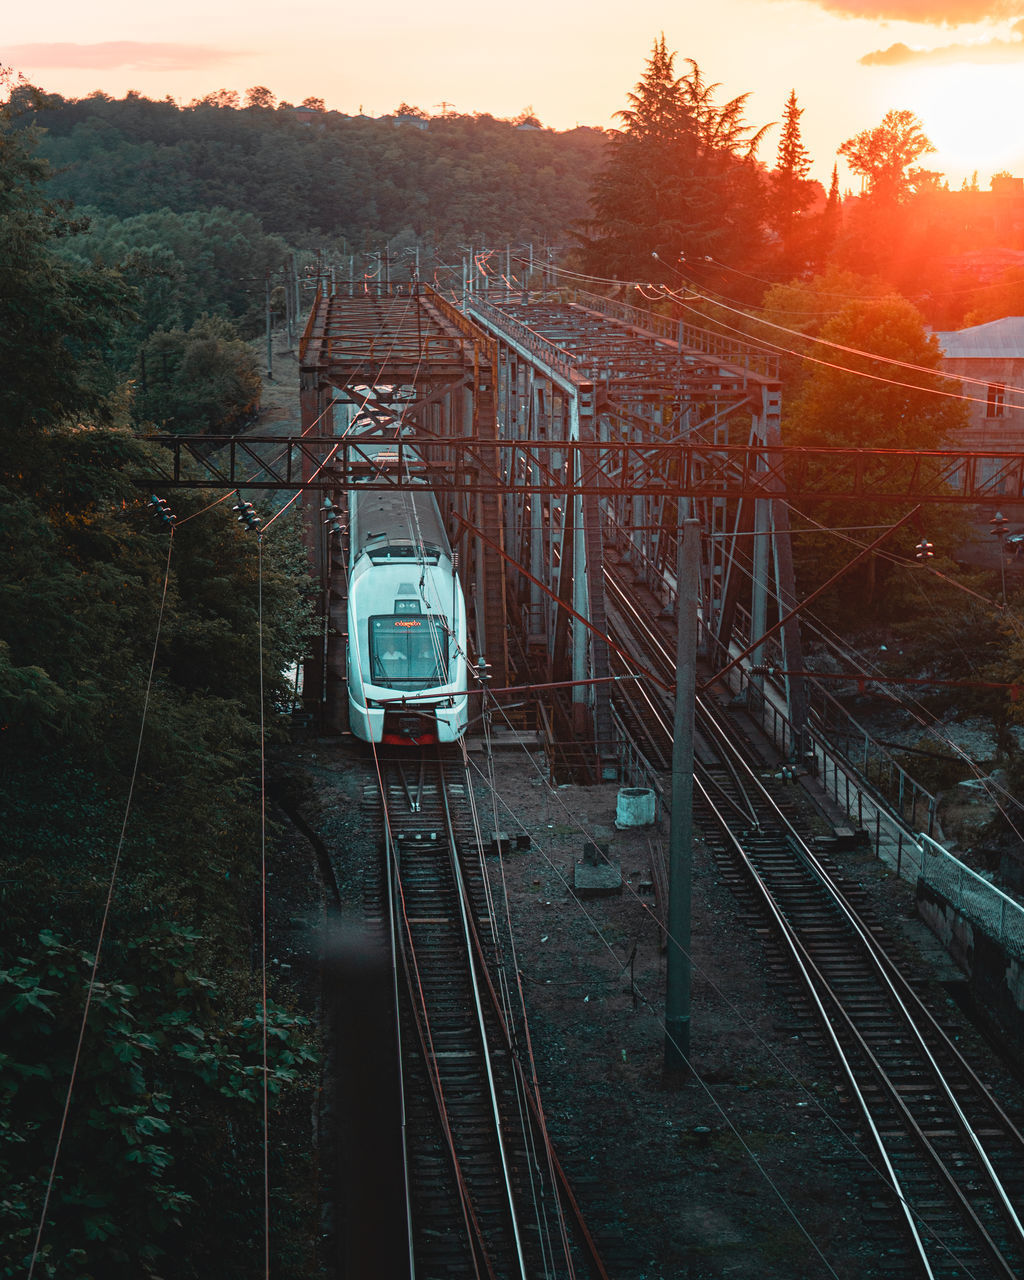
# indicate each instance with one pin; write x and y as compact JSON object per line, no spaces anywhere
{"x":684,"y":299}
{"x":609,"y":947}
{"x":104,"y":919}
{"x":173,"y":524}
{"x":263,"y":915}
{"x":926,"y":719}
{"x":875,"y":357}
{"x":517,"y":820}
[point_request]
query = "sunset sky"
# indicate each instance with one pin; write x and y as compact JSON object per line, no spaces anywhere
{"x":959,"y":64}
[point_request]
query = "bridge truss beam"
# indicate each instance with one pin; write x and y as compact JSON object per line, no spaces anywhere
{"x":558,"y":430}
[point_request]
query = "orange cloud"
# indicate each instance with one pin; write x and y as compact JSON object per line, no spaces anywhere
{"x":937,"y":12}
{"x":108,"y":54}
{"x":988,"y":51}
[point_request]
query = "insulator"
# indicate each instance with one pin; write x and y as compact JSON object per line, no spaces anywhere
{"x":161,"y":508}
{"x":248,"y":515}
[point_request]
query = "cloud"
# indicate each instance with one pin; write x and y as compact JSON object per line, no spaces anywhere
{"x":946,"y":13}
{"x":936,"y":12}
{"x":987,"y":51}
{"x":109,"y":54}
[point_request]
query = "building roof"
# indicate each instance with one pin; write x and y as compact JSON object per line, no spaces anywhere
{"x":997,"y":340}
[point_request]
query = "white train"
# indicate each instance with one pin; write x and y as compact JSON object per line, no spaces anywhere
{"x":406,"y":618}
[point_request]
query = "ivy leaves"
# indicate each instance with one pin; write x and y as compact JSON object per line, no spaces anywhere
{"x":162,"y":1062}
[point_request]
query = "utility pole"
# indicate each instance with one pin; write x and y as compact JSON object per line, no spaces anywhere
{"x":270,"y":339}
{"x":680,"y":839}
{"x":998,"y":523}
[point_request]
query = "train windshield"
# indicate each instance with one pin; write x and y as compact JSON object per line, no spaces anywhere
{"x":408,"y":652}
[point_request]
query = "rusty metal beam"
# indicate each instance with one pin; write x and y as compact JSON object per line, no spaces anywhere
{"x":611,"y":468}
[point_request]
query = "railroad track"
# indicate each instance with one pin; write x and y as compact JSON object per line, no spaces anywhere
{"x":486,"y":1195}
{"x":947,"y":1161}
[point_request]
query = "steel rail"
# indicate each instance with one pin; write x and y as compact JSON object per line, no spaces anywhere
{"x":902,"y":1000}
{"x":909,"y":1003}
{"x":817,"y":985}
{"x":668,"y":666}
{"x":503,"y":1011}
{"x":467,"y":932}
{"x":402,"y":926}
{"x":702,"y":781}
{"x":500,"y":1077}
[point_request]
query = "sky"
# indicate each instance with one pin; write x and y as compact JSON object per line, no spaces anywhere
{"x":958,"y":64}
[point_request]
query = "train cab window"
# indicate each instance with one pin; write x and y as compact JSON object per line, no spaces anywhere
{"x":408,"y":651}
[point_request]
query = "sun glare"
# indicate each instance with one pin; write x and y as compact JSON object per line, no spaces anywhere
{"x":972,"y":115}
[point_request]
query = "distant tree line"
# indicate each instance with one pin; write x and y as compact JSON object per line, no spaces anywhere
{"x":317,"y":178}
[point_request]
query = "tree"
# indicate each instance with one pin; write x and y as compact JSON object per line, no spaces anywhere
{"x":313,"y":104}
{"x":655,"y":110}
{"x":680,"y":178}
{"x":853,"y":401}
{"x":1005,"y":297}
{"x":202,"y":380}
{"x":883,"y":155}
{"x":791,"y":192}
{"x":801,"y":238}
{"x":55,"y":318}
{"x":226,"y":98}
{"x":165,"y":1114}
{"x":260,"y":96}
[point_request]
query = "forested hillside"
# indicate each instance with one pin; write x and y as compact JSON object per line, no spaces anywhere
{"x":320,"y":179}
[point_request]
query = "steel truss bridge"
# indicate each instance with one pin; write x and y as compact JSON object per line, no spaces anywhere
{"x":551,"y":429}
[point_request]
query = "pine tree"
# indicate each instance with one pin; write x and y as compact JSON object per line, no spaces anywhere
{"x":791,"y":191}
{"x":679,"y":180}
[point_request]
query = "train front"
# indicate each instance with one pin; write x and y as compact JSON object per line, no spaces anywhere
{"x":406,"y":644}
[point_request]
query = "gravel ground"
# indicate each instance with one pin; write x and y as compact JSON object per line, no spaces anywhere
{"x":747,"y":1167}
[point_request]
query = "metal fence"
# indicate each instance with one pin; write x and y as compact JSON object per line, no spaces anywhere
{"x":993,"y":911}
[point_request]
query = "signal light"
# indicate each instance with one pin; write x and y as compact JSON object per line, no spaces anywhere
{"x":924,"y":550}
{"x":161,"y":509}
{"x":248,"y":516}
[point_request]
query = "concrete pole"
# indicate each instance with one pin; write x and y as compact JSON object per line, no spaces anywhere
{"x":270,"y":339}
{"x":680,"y":839}
{"x":580,"y":586}
{"x":759,"y":586}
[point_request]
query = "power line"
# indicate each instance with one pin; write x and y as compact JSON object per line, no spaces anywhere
{"x":107,"y":906}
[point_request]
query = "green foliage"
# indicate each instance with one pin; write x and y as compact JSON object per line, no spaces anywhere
{"x":183,"y":265}
{"x":354,"y":183}
{"x":164,"y":1128}
{"x":791,"y":194}
{"x":680,"y":179}
{"x":195,"y":382}
{"x":55,"y":320}
{"x":993,"y":302}
{"x":883,"y":156}
{"x":891,"y":408}
{"x":166,"y":1059}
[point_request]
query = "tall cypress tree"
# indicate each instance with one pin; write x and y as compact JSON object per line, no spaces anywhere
{"x":680,"y":178}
